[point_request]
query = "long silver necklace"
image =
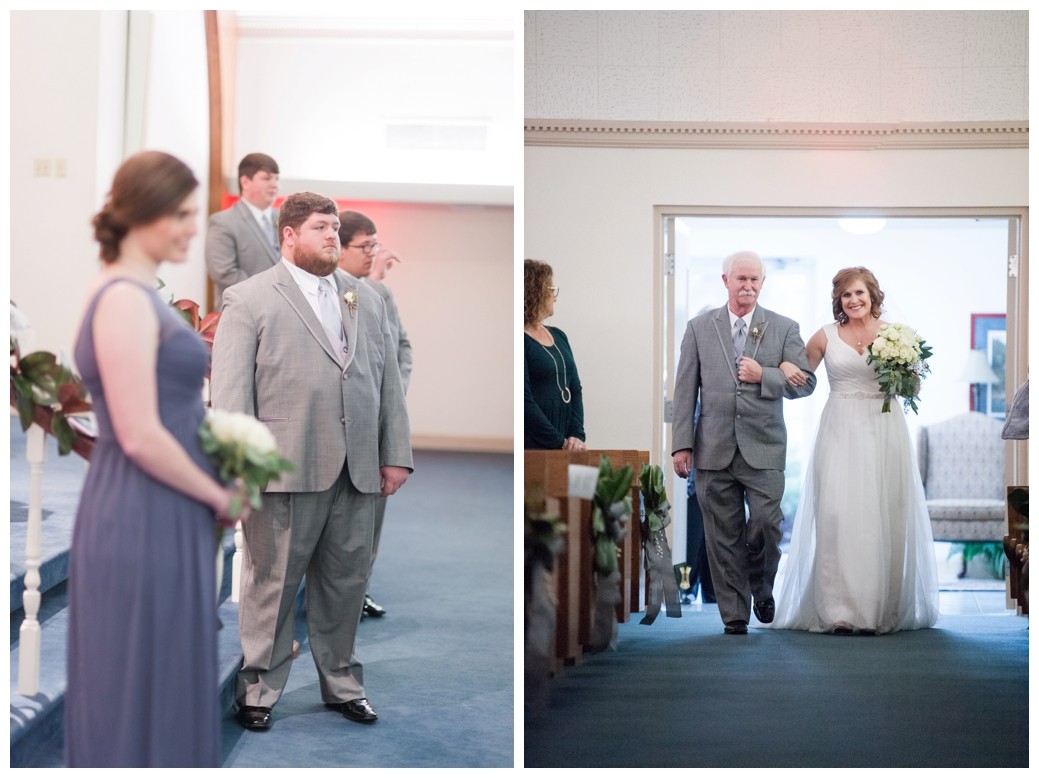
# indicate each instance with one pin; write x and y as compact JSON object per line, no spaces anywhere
{"x":564,"y":388}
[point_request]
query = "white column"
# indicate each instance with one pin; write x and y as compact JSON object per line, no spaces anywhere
{"x":236,"y":561}
{"x":29,"y":634}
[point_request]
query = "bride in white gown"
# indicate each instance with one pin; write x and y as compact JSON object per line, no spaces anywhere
{"x":861,"y":556}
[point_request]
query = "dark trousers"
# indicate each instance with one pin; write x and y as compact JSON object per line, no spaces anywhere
{"x":696,"y":551}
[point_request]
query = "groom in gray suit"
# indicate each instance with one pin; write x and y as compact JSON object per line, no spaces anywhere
{"x":309,"y":353}
{"x":243,"y":240}
{"x":736,"y":361}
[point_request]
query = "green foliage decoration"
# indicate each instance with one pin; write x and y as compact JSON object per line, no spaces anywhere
{"x":610,"y":512}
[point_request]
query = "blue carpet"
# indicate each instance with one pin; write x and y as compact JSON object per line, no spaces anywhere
{"x":438,"y":667}
{"x":679,"y":693}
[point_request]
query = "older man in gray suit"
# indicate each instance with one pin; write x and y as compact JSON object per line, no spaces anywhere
{"x":243,"y":240}
{"x":739,"y":361}
{"x":309,"y":353}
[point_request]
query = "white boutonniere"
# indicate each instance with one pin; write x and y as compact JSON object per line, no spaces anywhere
{"x":755,"y":331}
{"x":350,"y":298}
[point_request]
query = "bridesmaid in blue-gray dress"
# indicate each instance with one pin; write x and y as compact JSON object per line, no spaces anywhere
{"x":142,"y":656}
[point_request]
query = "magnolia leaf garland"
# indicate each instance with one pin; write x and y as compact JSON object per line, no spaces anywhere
{"x":40,"y":379}
{"x":658,"y":509}
{"x":656,"y":552}
{"x":610,"y":514}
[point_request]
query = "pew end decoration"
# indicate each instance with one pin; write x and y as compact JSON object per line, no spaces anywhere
{"x":611,"y":511}
{"x":656,"y":554}
{"x":543,"y":541}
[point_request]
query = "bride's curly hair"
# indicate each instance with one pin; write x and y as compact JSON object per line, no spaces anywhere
{"x":536,"y":275}
{"x":147,"y":186}
{"x":846,"y":278}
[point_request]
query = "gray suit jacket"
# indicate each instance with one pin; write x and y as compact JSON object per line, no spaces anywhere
{"x":733,"y":414}
{"x":400,"y":337}
{"x":272,"y":359}
{"x":236,"y":248}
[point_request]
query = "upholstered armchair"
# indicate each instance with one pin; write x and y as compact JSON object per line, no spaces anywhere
{"x":961,"y":464}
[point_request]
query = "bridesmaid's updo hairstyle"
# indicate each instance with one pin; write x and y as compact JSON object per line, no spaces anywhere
{"x":536,"y":275}
{"x":147,"y":186}
{"x":846,"y":278}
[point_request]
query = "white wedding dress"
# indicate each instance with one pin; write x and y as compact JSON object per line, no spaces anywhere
{"x":861,"y":553}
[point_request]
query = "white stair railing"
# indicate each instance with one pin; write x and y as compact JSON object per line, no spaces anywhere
{"x":29,"y":643}
{"x":236,"y":561}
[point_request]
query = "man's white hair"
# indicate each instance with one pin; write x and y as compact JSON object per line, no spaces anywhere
{"x":730,"y":260}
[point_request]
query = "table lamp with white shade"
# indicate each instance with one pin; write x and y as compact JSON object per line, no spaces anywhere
{"x":978,"y":372}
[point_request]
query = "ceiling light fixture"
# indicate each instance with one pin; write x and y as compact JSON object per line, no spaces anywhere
{"x":862,"y":226}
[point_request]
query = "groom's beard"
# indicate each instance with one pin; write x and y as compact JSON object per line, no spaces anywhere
{"x":318,"y":263}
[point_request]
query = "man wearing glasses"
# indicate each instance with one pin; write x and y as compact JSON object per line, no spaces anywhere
{"x":358,"y":245}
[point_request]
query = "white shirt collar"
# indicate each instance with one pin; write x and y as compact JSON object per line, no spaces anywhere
{"x":258,"y":214}
{"x":733,"y":317}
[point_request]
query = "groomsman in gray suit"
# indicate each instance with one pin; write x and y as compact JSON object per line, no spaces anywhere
{"x":243,"y":240}
{"x":309,"y":353}
{"x":736,"y":360}
{"x":358,"y":245}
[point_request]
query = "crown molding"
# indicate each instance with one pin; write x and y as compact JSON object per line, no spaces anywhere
{"x":769,"y":135}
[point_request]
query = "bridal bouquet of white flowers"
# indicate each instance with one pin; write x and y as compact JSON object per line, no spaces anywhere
{"x":900,"y":357}
{"x":241,"y":447}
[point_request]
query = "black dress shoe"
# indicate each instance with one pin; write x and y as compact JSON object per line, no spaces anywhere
{"x":736,"y":628}
{"x":357,"y":710}
{"x":765,"y":610}
{"x":372,"y":608}
{"x":255,"y":717}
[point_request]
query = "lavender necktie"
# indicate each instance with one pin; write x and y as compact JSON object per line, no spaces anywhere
{"x":272,"y":236}
{"x":739,"y":338}
{"x":330,"y":318}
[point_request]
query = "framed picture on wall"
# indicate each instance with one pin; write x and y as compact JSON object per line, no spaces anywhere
{"x":988,"y":332}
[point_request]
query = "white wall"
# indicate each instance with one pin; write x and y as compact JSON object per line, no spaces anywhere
{"x":175,"y":118}
{"x":589,"y":213}
{"x":75,"y":115}
{"x":62,"y":115}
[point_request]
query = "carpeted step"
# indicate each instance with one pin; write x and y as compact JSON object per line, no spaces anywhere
{"x":37,"y":722}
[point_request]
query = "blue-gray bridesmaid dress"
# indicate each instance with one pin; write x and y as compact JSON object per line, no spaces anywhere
{"x":142,"y":653}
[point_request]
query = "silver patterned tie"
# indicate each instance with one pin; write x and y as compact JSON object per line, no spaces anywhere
{"x":272,"y":236}
{"x":330,"y":318}
{"x":739,"y":338}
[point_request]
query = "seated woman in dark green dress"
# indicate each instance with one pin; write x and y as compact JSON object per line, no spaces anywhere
{"x":553,"y":411}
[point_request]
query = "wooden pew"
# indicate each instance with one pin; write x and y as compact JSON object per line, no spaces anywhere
{"x":1014,"y":543}
{"x":548,"y":470}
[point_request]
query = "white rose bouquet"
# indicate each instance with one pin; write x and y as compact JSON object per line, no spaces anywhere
{"x":900,"y":357}
{"x":241,"y":447}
